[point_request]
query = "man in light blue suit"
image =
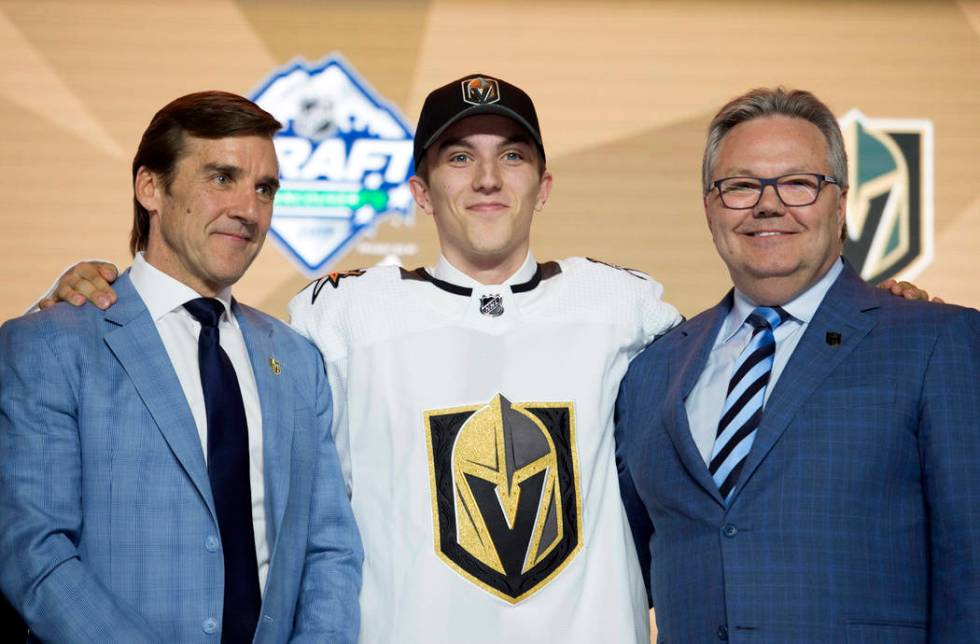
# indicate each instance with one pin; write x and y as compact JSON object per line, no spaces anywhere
{"x":167,"y":472}
{"x":801,"y":463}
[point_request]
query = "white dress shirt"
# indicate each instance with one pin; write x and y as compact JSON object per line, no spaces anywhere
{"x":707,"y":399}
{"x":164,"y":297}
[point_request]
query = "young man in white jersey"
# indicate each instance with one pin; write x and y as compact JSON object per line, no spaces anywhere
{"x":474,"y":401}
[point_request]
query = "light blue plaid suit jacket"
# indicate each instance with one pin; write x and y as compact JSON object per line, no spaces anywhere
{"x":857,"y":515}
{"x":107,"y":523}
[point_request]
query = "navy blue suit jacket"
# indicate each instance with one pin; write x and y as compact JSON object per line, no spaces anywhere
{"x":857,"y":515}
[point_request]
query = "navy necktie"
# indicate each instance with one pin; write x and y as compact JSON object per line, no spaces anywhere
{"x":228,"y":471}
{"x":744,"y":401}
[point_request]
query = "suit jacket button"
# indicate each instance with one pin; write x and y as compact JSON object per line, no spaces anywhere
{"x":729,"y":530}
{"x":722,"y":632}
{"x":211,"y":543}
{"x":210,"y":625}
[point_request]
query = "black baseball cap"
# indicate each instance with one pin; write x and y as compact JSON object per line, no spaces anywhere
{"x":469,"y":96}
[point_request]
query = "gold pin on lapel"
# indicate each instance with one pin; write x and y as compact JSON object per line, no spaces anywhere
{"x":275,"y":366}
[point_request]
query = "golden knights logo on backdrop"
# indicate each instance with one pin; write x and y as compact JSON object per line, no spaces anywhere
{"x":506,"y":504}
{"x":889,"y":204}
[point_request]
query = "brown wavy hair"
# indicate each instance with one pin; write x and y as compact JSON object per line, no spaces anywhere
{"x":207,"y":115}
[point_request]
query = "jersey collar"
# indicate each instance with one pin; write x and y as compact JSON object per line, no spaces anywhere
{"x":449,"y":278}
{"x":446,"y":272}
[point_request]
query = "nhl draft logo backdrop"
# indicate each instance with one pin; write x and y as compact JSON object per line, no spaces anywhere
{"x":506,"y":504}
{"x":345,"y":157}
{"x":889,"y":203}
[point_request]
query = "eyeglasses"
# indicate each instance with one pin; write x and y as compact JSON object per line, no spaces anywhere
{"x":742,"y":193}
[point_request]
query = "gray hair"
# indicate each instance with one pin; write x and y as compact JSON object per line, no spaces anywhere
{"x":779,"y":101}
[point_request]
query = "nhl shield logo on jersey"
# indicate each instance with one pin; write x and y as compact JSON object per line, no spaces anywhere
{"x":506,"y":504}
{"x":345,"y":158}
{"x":492,"y":305}
{"x":889,"y":203}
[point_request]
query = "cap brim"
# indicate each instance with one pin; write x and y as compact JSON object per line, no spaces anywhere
{"x":491,"y":108}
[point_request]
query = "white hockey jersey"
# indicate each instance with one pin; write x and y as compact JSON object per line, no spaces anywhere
{"x":475,"y":429}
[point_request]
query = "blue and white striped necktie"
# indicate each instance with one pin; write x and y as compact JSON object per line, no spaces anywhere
{"x":744,"y":401}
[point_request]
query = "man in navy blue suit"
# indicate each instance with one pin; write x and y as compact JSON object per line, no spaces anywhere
{"x":801,"y":463}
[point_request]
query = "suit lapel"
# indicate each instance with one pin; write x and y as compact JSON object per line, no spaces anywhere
{"x":277,"y":412}
{"x":134,"y":340}
{"x":843,"y":310}
{"x":686,"y":363}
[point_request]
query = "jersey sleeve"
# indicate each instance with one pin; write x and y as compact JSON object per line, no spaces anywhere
{"x":632,"y":295}
{"x":318,"y":319}
{"x":656,"y":316}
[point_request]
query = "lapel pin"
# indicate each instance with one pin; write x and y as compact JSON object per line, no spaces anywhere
{"x":275,"y":366}
{"x":833,"y":338}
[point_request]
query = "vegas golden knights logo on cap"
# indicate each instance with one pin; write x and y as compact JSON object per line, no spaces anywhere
{"x":889,"y":202}
{"x":506,"y":506}
{"x":480,"y":91}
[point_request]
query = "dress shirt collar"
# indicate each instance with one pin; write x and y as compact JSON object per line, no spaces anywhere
{"x":448,"y":273}
{"x":801,"y":308}
{"x":163,"y":294}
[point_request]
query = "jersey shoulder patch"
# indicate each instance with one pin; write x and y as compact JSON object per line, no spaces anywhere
{"x":325,"y":310}
{"x":333,"y":280}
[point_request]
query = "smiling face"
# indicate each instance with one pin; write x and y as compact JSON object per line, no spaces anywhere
{"x":206,"y":229}
{"x":774,"y":252}
{"x":484,"y":183}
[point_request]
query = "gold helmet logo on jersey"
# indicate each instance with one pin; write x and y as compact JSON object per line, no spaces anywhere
{"x":506,"y":505}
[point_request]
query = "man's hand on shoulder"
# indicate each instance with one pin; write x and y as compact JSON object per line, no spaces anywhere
{"x":85,"y":281}
{"x":908,"y":290}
